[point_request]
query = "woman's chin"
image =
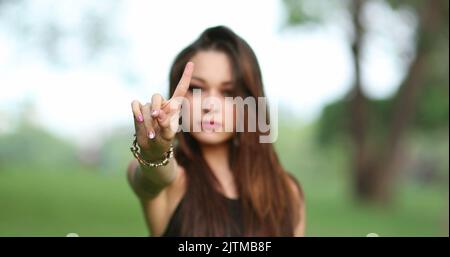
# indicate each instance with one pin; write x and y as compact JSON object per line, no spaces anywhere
{"x":211,"y":137}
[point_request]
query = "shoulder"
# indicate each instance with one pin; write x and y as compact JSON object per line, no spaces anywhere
{"x":296,"y":186}
{"x":159,"y":210}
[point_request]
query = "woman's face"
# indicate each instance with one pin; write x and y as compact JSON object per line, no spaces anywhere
{"x":212,"y":77}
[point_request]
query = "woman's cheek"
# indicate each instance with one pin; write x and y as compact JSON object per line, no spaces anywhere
{"x":187,"y":114}
{"x":228,"y":116}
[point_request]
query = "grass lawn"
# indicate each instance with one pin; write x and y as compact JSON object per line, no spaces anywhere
{"x":55,"y":203}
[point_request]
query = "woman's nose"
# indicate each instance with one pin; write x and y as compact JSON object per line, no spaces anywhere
{"x":212,"y":102}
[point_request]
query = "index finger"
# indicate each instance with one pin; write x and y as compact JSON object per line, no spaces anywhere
{"x":183,"y":85}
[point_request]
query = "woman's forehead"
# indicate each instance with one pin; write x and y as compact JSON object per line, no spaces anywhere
{"x":212,"y":67}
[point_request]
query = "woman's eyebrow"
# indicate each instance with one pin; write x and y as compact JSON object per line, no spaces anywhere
{"x":225,"y":83}
{"x":200,"y":79}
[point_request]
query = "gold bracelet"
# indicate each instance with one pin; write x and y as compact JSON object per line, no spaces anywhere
{"x":163,"y":162}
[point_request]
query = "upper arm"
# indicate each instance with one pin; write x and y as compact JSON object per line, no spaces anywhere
{"x":299,"y":229}
{"x":157,"y":205}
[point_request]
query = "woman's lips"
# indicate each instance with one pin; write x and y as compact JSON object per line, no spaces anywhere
{"x":210,"y":125}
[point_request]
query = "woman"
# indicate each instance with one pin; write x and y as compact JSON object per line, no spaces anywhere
{"x":220,"y":182}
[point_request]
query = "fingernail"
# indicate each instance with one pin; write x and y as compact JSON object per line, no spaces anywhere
{"x":140,"y":118}
{"x":155,"y":113}
{"x":151,"y":135}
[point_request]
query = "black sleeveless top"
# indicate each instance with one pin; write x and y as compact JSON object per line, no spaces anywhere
{"x":173,"y":228}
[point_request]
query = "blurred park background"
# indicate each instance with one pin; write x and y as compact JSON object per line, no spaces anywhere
{"x":362,"y":88}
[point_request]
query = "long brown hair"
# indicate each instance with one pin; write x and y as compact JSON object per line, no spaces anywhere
{"x":269,"y":207}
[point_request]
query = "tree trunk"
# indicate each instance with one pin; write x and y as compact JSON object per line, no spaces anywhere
{"x":376,"y":170}
{"x":358,"y":109}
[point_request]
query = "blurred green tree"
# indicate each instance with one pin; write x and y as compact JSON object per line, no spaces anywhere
{"x":377,"y":127}
{"x":30,"y":147}
{"x":37,"y":27}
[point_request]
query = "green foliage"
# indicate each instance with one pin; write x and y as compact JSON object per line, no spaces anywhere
{"x":297,"y":14}
{"x":432,"y":109}
{"x":333,"y":122}
{"x":432,"y":115}
{"x":115,"y":153}
{"x":432,"y":105}
{"x":300,"y":12}
{"x":398,"y":4}
{"x":32,"y":146}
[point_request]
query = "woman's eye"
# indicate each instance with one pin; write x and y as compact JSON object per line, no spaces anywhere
{"x":227,"y":93}
{"x":192,"y":87}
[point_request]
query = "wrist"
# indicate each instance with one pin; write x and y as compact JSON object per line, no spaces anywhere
{"x":147,"y":159}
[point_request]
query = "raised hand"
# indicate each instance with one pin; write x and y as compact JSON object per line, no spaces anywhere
{"x":152,"y":120}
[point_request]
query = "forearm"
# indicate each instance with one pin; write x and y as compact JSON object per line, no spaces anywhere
{"x":149,"y":181}
{"x":163,"y":175}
